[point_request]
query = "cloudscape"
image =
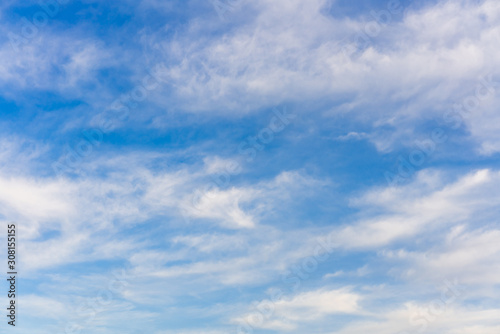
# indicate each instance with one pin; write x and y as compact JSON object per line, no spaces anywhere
{"x":238,"y":167}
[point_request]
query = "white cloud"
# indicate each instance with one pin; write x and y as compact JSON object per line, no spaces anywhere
{"x":286,"y":315}
{"x":418,"y":318}
{"x":224,"y":206}
{"x":417,"y":67}
{"x":477,"y":250}
{"x":420,"y":207}
{"x":43,"y":307}
{"x":32,"y":66}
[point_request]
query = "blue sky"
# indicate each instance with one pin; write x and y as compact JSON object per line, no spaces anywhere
{"x":267,"y":166}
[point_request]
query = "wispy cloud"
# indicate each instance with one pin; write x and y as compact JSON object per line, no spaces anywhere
{"x":212,"y":163}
